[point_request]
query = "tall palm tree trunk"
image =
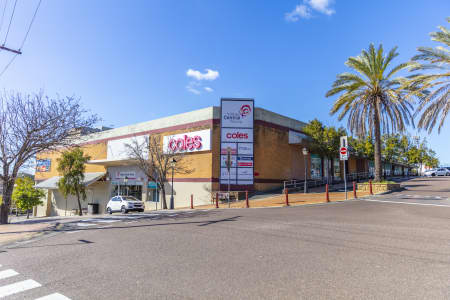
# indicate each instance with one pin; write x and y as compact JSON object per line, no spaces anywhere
{"x":377,"y":146}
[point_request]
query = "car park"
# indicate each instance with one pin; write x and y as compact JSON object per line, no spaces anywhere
{"x":124,"y":204}
{"x":437,"y":172}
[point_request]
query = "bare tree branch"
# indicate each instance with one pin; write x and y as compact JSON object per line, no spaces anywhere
{"x":33,"y":123}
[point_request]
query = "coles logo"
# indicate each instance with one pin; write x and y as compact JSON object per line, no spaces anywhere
{"x":237,"y":135}
{"x":245,"y":110}
{"x":185,"y":143}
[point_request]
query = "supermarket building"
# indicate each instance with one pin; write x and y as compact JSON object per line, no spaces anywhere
{"x":274,"y":155}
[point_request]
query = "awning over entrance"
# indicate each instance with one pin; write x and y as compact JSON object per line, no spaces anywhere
{"x":52,"y":183}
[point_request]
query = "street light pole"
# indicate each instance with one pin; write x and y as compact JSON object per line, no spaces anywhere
{"x":172,"y":163}
{"x":305,"y":154}
{"x":125,"y":180}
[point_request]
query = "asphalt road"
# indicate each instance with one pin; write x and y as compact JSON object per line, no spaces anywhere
{"x":350,"y":250}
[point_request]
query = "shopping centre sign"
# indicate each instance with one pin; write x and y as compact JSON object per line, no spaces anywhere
{"x":237,"y":118}
{"x":188,"y":142}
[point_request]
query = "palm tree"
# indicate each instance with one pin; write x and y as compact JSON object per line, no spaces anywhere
{"x":373,"y":101}
{"x":437,"y":103}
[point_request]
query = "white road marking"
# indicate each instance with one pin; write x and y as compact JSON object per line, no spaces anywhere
{"x":410,"y":203}
{"x":8,"y":273}
{"x":55,"y":296}
{"x":18,"y":287}
{"x":106,"y":221}
{"x":85,"y":224}
{"x":73,"y":231}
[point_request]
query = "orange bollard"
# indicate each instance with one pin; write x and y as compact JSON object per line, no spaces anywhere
{"x":327,"y":193}
{"x":370,"y":187}
{"x":287,"y":196}
{"x":192,"y":201}
{"x":217,"y":200}
{"x":246,"y":200}
{"x":354,"y":190}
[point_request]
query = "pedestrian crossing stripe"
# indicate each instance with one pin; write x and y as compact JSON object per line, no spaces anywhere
{"x":55,"y":296}
{"x":8,"y":273}
{"x":18,"y":287}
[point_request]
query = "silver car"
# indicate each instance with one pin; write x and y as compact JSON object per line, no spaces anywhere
{"x":124,"y":204}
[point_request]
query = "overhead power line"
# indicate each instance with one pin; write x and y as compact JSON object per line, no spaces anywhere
{"x":31,"y":24}
{"x":10,"y":21}
{"x":3,"y":15}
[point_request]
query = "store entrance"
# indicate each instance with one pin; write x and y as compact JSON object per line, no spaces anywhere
{"x":128,"y":190}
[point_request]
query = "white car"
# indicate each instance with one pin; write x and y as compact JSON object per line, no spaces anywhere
{"x":124,"y":204}
{"x":437,"y":172}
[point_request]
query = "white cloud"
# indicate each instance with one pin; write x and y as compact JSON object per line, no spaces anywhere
{"x":208,"y":89}
{"x":304,"y":11}
{"x":192,"y":90}
{"x":193,"y":87}
{"x":208,"y":75}
{"x":300,"y":12}
{"x":322,"y":6}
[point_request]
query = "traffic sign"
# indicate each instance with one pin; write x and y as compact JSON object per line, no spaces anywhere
{"x":343,"y":151}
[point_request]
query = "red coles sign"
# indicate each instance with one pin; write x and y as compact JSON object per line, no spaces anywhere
{"x":237,"y":135}
{"x":185,"y":143}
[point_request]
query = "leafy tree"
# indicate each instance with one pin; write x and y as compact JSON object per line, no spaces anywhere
{"x":71,"y":166}
{"x":436,"y":105}
{"x":391,"y":150}
{"x":25,"y":195}
{"x":373,"y":100}
{"x":362,"y":147}
{"x":325,"y":140}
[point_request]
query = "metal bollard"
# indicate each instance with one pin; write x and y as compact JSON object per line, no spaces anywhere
{"x":354,"y":190}
{"x":287,"y":196}
{"x":246,"y":200}
{"x":327,"y":193}
{"x":217,"y":200}
{"x":370,"y":187}
{"x":192,"y":201}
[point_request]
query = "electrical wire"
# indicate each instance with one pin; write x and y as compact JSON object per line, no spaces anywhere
{"x":10,"y":21}
{"x":31,"y":24}
{"x":3,"y":15}
{"x":7,"y":66}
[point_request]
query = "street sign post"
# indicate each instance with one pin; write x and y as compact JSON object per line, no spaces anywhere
{"x":343,"y":153}
{"x":228,"y":163}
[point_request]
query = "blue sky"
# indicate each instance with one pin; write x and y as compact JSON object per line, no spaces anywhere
{"x":129,"y":61}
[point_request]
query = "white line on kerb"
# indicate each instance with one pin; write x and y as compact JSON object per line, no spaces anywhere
{"x":410,"y":203}
{"x":55,"y":296}
{"x":18,"y":287}
{"x":8,"y":273}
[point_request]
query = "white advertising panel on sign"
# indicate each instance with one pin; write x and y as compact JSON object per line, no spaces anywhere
{"x":232,"y":146}
{"x":245,"y":148}
{"x":224,"y":176}
{"x":245,"y":173}
{"x":188,"y":142}
{"x":237,"y":114}
{"x":223,"y":159}
{"x":237,"y":135}
{"x":118,"y":150}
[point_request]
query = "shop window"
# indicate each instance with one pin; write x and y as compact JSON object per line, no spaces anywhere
{"x":128,"y":190}
{"x":316,"y":166}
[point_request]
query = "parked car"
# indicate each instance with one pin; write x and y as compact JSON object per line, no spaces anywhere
{"x":124,"y":204}
{"x":438,"y":172}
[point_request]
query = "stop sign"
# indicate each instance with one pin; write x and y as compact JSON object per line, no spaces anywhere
{"x":343,"y":150}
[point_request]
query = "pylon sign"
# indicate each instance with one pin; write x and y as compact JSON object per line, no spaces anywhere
{"x":343,"y":150}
